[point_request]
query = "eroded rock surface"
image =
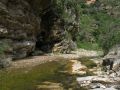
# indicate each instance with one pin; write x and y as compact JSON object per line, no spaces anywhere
{"x":27,"y":25}
{"x":102,"y":80}
{"x":114,"y":53}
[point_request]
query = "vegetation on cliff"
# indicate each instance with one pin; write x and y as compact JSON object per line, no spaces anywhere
{"x":100,"y":23}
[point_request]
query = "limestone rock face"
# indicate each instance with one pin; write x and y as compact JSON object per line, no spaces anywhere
{"x":19,"y":25}
{"x":38,"y":24}
{"x":58,"y":31}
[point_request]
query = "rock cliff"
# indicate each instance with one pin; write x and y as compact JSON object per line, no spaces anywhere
{"x":26,"y":26}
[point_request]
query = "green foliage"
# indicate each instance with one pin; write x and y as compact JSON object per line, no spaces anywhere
{"x":88,"y":26}
{"x":3,"y":46}
{"x":60,"y":6}
{"x":88,"y":45}
{"x":87,"y":62}
{"x":108,"y":32}
{"x":100,"y":23}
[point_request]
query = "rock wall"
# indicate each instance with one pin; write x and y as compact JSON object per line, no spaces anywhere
{"x":18,"y":27}
{"x":57,"y":30}
{"x":26,"y":26}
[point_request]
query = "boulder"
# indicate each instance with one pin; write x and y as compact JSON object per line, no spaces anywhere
{"x":5,"y":61}
{"x":22,"y":49}
{"x":19,"y":25}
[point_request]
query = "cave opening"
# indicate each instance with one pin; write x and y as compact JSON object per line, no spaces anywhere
{"x":44,"y":39}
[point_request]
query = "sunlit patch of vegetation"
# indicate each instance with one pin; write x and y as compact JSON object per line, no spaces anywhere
{"x":3,"y":46}
{"x":88,"y":46}
{"x":87,"y":62}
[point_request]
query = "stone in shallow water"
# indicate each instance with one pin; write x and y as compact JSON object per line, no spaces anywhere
{"x":89,"y":80}
{"x":97,"y":85}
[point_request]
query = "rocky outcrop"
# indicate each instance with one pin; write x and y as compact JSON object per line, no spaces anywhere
{"x":99,"y":82}
{"x":29,"y":25}
{"x":114,"y":54}
{"x":18,"y":25}
{"x":58,"y":23}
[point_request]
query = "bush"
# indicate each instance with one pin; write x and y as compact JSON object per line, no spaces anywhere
{"x":4,"y":46}
{"x":101,"y":22}
{"x":87,"y":62}
{"x":88,"y":45}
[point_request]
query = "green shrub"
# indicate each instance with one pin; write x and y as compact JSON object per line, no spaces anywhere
{"x":87,"y":62}
{"x":3,"y":46}
{"x":100,"y":22}
{"x":88,"y":45}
